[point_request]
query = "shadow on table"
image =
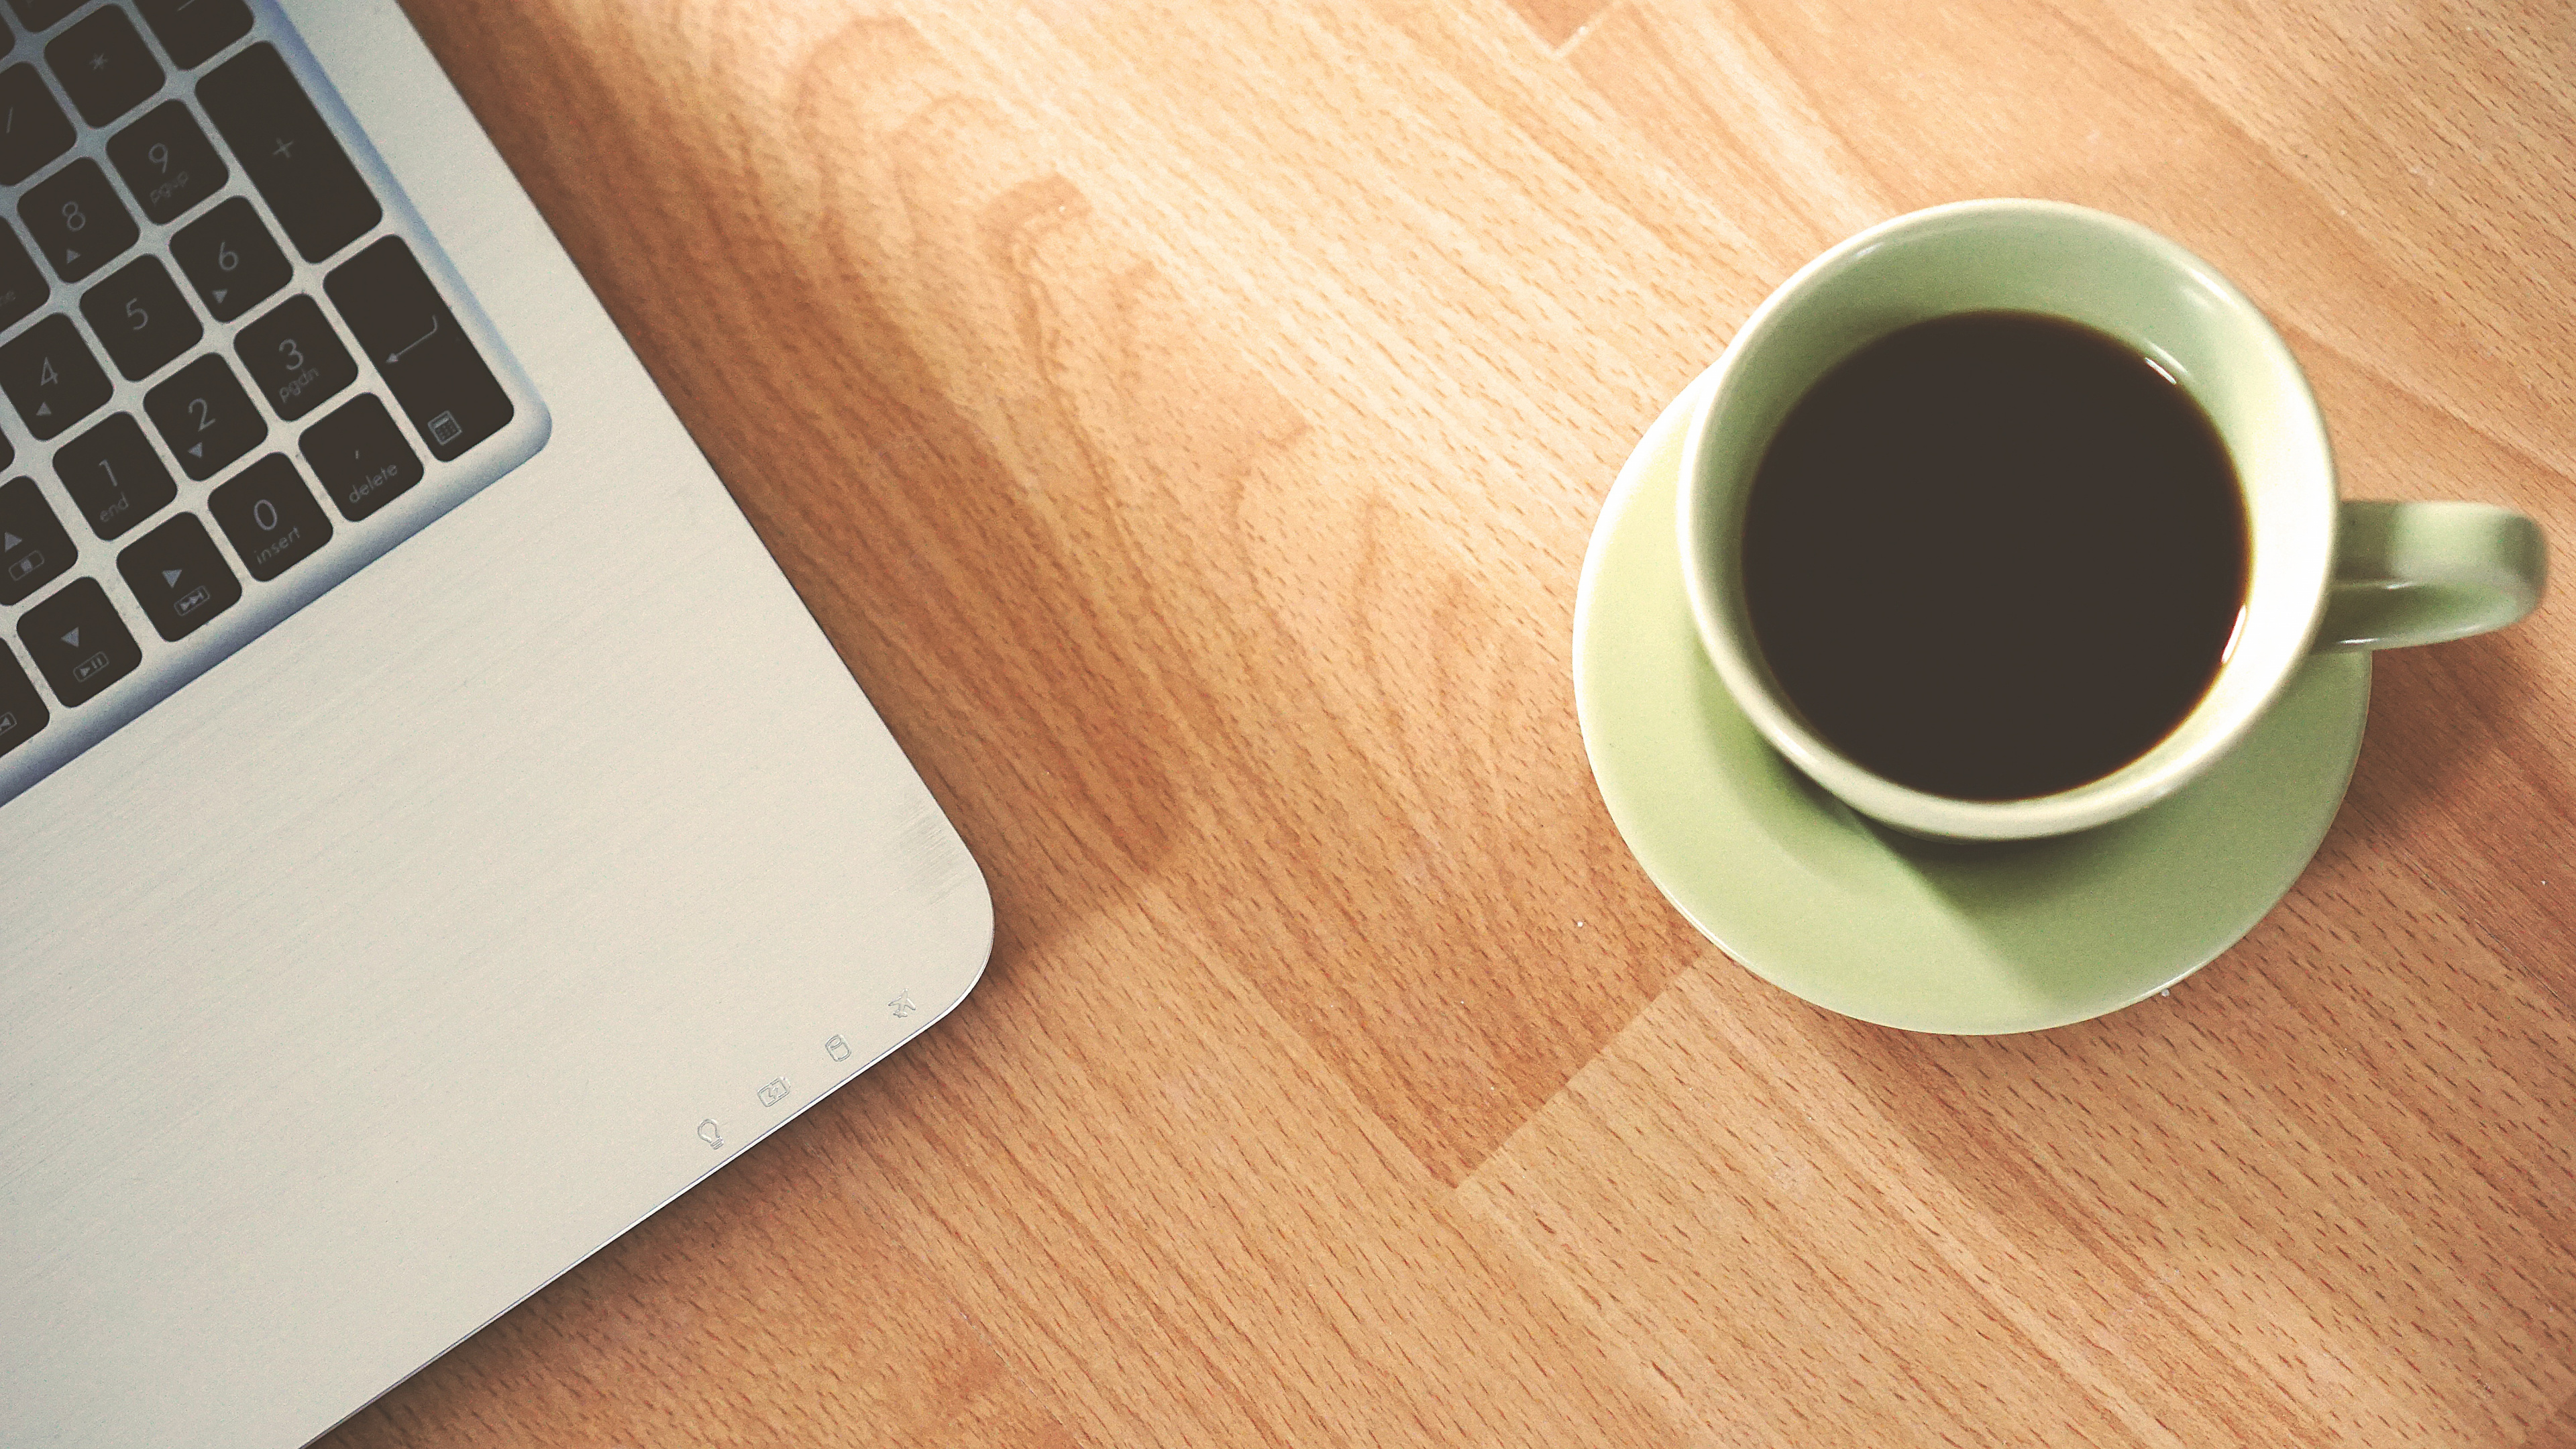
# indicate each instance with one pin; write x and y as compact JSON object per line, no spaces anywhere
{"x":2290,"y":1121}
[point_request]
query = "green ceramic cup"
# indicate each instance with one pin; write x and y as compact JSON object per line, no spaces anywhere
{"x":2324,"y":574}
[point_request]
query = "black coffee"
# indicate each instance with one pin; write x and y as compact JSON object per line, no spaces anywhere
{"x":1995,"y":555}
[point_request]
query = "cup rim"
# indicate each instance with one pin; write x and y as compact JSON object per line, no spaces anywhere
{"x":1709,"y":578}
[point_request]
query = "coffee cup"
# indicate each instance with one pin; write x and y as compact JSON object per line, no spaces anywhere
{"x":2317,"y":573}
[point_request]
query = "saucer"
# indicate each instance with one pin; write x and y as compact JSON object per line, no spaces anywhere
{"x":1881,"y":926}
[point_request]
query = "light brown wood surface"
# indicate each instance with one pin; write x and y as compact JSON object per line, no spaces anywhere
{"x":1187,"y":420}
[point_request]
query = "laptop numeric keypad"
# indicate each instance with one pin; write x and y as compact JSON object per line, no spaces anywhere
{"x":224,"y":349}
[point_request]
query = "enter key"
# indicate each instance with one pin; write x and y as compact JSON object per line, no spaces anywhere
{"x":407,"y":331}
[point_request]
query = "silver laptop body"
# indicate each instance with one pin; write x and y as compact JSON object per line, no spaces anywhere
{"x":452,"y":899}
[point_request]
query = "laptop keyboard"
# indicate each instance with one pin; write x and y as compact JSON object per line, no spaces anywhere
{"x":237,"y":367}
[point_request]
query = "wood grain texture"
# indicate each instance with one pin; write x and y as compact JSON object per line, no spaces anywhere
{"x":1187,"y":421}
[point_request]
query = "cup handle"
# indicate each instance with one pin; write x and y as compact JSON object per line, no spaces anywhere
{"x":2420,"y":573}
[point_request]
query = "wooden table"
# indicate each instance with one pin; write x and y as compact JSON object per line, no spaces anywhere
{"x":1187,"y":420}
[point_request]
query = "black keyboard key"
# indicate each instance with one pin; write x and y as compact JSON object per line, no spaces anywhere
{"x":292,"y":157}
{"x":295,"y":358}
{"x":49,"y":373}
{"x":205,"y":417}
{"x":77,"y":221}
{"x":140,"y":318}
{"x":231,"y":260}
{"x":407,"y":331}
{"x":78,"y":641}
{"x":23,"y":285}
{"x":113,"y":476}
{"x":193,"y":30}
{"x":39,"y":14}
{"x":34,"y":549}
{"x":361,"y":457}
{"x":22,"y":709}
{"x":33,"y":128}
{"x":179,"y":577}
{"x":104,"y":66}
{"x":167,"y":162}
{"x":270,"y":516}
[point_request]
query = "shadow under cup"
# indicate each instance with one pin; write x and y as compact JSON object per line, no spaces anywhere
{"x":2108,"y":274}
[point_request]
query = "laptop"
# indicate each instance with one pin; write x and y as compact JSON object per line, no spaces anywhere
{"x":433,"y":834}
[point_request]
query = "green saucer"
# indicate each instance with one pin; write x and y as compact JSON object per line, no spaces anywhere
{"x":1891,"y":929}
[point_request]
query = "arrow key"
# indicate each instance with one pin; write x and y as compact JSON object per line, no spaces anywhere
{"x":78,"y":642}
{"x":22,"y":709}
{"x":34,"y":549}
{"x":179,"y":576}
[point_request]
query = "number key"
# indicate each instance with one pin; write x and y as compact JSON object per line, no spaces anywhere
{"x":33,"y":128}
{"x":230,"y":259}
{"x":293,"y":356}
{"x":140,"y":318}
{"x":167,"y":162}
{"x":114,"y":477}
{"x":270,"y":516}
{"x":77,"y":221}
{"x":48,"y":372}
{"x":205,"y":417}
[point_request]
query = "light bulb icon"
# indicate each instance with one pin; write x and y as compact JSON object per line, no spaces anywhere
{"x":710,"y":1134}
